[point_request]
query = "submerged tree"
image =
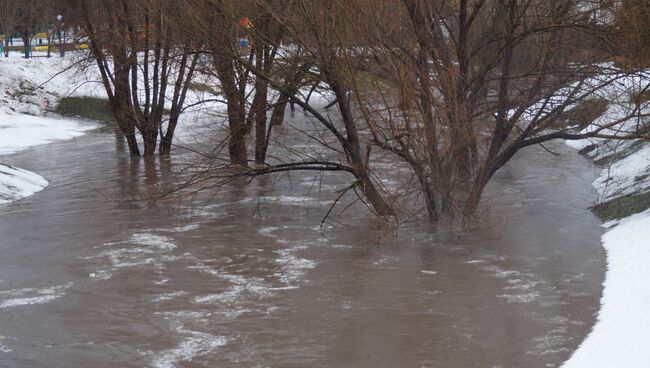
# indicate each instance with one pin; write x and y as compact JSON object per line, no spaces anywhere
{"x":450,"y":89}
{"x":240,"y":36}
{"x":146,"y":64}
{"x":311,"y":57}
{"x":454,"y":89}
{"x":489,"y":78}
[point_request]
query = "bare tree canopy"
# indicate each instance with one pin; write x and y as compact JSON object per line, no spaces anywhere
{"x":451,"y":89}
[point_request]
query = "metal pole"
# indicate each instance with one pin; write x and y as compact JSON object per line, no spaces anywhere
{"x":61,"y":49}
{"x":61,"y":44}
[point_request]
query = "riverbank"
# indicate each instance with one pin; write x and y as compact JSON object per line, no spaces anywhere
{"x":620,"y":337}
{"x":20,"y":132}
{"x":17,"y":183}
{"x":621,"y":334}
{"x":32,"y":90}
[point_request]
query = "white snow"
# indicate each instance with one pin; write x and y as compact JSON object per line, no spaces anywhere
{"x":35,"y":86}
{"x":629,"y":173}
{"x":621,"y":337}
{"x":615,"y":87}
{"x":19,"y":132}
{"x":27,"y":96}
{"x":625,"y":176}
{"x":17,"y":183}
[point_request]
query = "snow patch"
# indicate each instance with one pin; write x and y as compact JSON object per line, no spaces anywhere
{"x":20,"y":132}
{"x":17,"y":183}
{"x":621,"y":334}
{"x":622,"y":331}
{"x":28,"y":94}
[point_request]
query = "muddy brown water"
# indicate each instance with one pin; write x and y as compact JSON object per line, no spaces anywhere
{"x":90,"y":276}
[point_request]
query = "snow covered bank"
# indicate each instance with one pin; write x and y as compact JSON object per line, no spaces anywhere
{"x":19,"y":132}
{"x":621,"y":337}
{"x":17,"y":183}
{"x":35,"y":86}
{"x":25,"y":118}
{"x":626,"y":162}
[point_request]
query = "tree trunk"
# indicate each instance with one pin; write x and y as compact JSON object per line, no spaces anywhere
{"x":166,"y":143}
{"x":376,"y":200}
{"x":150,"y":138}
{"x":259,"y":109}
{"x":236,"y":113}
{"x":167,"y":139}
{"x":352,"y":146}
{"x":127,"y":128}
{"x":237,"y":144}
{"x":61,"y":44}
{"x":49,"y":45}
{"x":277,"y":117}
{"x":134,"y":150}
{"x":429,"y":197}
{"x":26,"y":44}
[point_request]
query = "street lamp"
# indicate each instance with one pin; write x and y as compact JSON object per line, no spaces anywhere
{"x":59,"y":18}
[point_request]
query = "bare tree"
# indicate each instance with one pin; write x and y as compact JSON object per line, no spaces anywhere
{"x":27,"y":19}
{"x":453,"y":88}
{"x":8,"y":15}
{"x":492,"y":77}
{"x":225,"y":26}
{"x":312,"y":30}
{"x":450,"y":89}
{"x":632,"y":32}
{"x":146,"y":65}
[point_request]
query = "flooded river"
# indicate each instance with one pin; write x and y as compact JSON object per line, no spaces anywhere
{"x":92,"y":276}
